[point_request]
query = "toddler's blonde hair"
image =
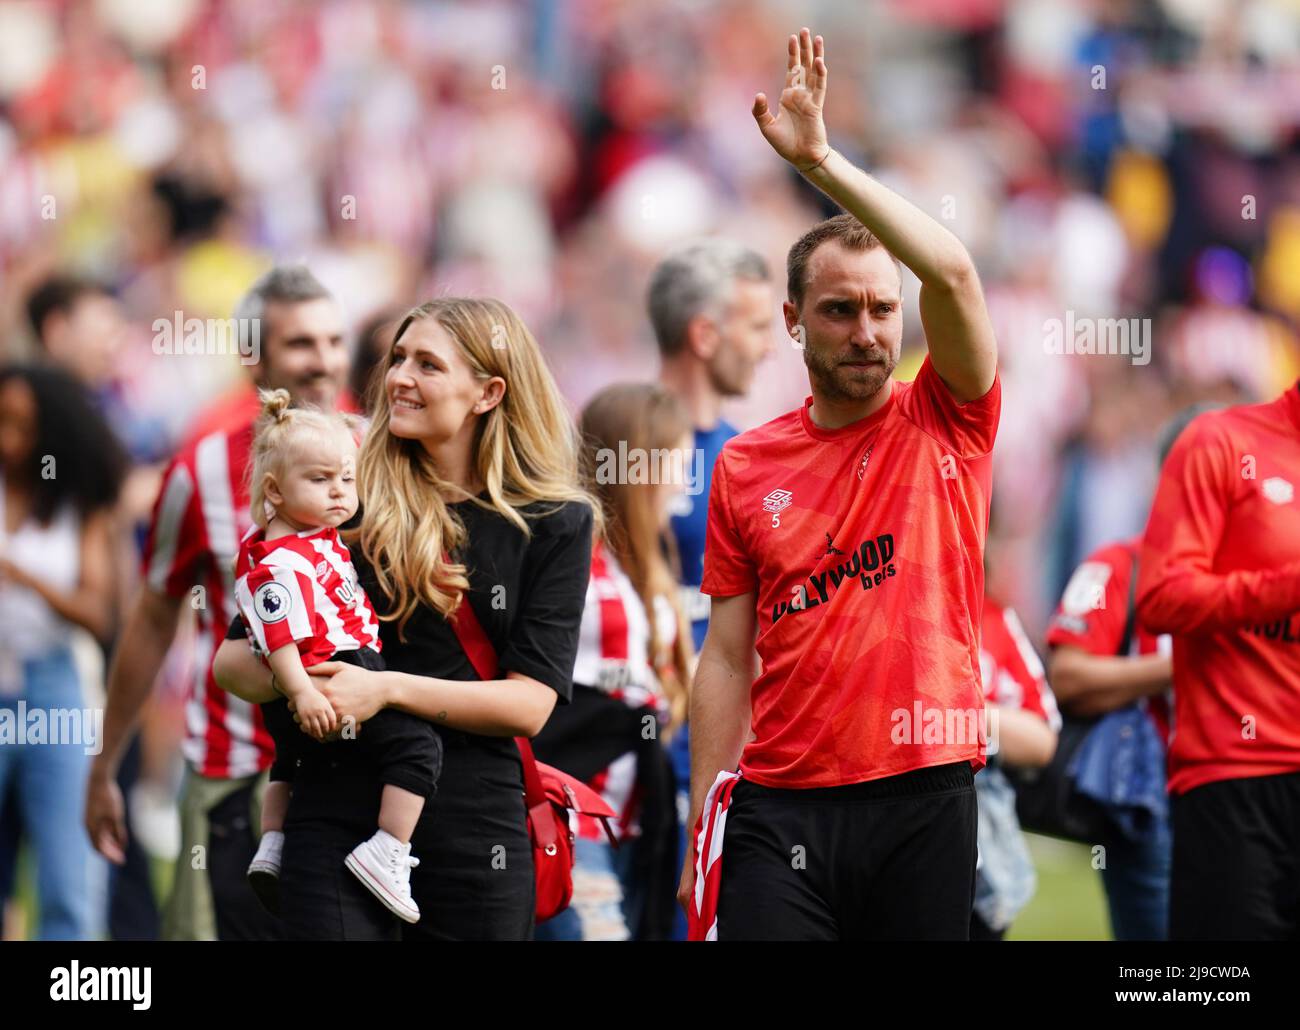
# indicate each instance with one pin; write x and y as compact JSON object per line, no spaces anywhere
{"x":278,"y":429}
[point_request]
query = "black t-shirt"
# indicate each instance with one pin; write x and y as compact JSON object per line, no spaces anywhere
{"x":528,"y":594}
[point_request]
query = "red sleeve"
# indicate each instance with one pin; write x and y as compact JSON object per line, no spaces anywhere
{"x":176,"y":548}
{"x":282,"y":610}
{"x":1093,"y":610}
{"x":1019,"y":679}
{"x":1178,"y":591}
{"x":969,"y":429}
{"x":728,"y":568}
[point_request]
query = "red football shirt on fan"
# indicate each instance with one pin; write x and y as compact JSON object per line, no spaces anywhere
{"x":865,"y":547}
{"x":1012,"y":672}
{"x":1093,"y":612}
{"x":302,"y":589}
{"x":198,"y":519}
{"x":614,"y":655}
{"x":1220,"y":571}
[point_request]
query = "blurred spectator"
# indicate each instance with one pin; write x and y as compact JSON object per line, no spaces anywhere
{"x":631,"y":677}
{"x":374,"y":341}
{"x":62,"y":470}
{"x":79,"y":324}
{"x":1022,"y":725}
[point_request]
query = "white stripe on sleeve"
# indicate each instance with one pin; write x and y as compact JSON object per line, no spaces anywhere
{"x":177,"y":492}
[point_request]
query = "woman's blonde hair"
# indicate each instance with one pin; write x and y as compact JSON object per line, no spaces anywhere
{"x":279,"y":427}
{"x":525,"y":451}
{"x":648,"y":418}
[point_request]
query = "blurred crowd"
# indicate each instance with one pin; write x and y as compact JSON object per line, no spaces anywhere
{"x":1100,"y":158}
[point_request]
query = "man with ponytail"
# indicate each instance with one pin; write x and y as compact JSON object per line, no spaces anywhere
{"x":198,"y":520}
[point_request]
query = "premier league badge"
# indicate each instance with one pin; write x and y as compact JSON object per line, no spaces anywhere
{"x":271,"y":602}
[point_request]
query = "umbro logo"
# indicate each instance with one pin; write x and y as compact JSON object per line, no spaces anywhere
{"x":777,"y":501}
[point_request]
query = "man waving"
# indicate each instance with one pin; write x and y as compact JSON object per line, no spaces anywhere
{"x":845,"y":541}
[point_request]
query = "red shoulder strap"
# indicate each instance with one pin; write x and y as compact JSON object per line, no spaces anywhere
{"x":483,"y":656}
{"x":474,"y":639}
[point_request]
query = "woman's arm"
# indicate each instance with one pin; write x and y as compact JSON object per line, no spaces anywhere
{"x":517,"y":706}
{"x":90,"y":603}
{"x":238,"y":671}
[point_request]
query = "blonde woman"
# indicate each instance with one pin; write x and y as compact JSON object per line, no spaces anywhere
{"x":632,"y":670}
{"x":469,"y":491}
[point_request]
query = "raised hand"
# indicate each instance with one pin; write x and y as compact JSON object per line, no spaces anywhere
{"x":797,"y":131}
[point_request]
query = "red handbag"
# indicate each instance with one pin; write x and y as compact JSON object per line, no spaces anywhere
{"x":549,"y":793}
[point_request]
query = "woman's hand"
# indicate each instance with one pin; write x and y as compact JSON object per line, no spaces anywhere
{"x":797,"y":131}
{"x":351,"y":690}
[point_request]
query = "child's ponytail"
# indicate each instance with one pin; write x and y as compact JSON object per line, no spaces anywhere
{"x":275,"y":405}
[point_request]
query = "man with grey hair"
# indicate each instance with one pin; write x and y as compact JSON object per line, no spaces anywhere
{"x":712,"y":307}
{"x":198,"y":520}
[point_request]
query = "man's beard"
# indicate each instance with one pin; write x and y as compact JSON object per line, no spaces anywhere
{"x":729,"y":379}
{"x":845,"y":383}
{"x":315,"y":385}
{"x":309,"y":390}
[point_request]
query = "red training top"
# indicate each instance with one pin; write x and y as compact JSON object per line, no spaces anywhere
{"x":1220,"y":570}
{"x":1093,"y":612}
{"x":865,"y":547}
